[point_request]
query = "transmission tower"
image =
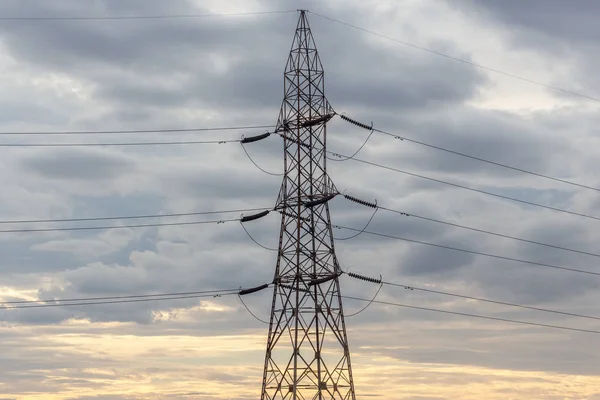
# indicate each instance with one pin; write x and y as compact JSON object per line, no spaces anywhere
{"x":307,"y":354}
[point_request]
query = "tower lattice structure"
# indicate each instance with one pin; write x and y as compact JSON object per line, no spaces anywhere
{"x":307,"y":355}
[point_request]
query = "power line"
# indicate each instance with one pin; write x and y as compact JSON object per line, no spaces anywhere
{"x":92,"y":228}
{"x":118,"y":144}
{"x":489,"y":232}
{"x":140,"y":300}
{"x":460,"y":60}
{"x":374,"y":164}
{"x":408,"y":287}
{"x":487,"y":161}
{"x":258,"y":166}
{"x":504,"y":303}
{"x":133,"y":131}
{"x":473,"y":315}
{"x":360,"y":232}
{"x":228,"y":292}
{"x":471,"y":251}
{"x":404,"y":138}
{"x":142,"y":17}
{"x":256,"y":241}
{"x":118,"y":297}
{"x":27,"y":221}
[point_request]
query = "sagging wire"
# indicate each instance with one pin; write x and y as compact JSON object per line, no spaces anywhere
{"x":256,"y":165}
{"x":361,"y":125}
{"x":368,"y":304}
{"x":252,"y":139}
{"x":362,"y":230}
{"x":254,"y":240}
{"x":250,"y":311}
{"x":367,"y":279}
{"x":362,"y":203}
{"x":254,"y":217}
{"x":244,"y":292}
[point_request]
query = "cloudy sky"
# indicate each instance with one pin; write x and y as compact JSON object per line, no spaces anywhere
{"x":91,"y":75}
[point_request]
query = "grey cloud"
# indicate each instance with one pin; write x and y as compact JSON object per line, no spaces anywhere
{"x":553,"y":18}
{"x":186,"y":73}
{"x":77,"y":165}
{"x":428,"y":261}
{"x":561,"y":32}
{"x":491,"y":135}
{"x":212,"y":62}
{"x":221,"y":183}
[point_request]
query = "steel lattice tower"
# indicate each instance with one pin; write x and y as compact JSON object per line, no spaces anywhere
{"x":307,"y":354}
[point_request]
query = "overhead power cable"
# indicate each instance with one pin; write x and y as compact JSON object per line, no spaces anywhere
{"x":409,"y":215}
{"x":262,"y":321}
{"x":188,"y":142}
{"x":256,"y":241}
{"x":478,"y":253}
{"x":341,"y":159}
{"x":135,"y":296}
{"x":460,"y":60}
{"x":125,"y":299}
{"x":140,"y":17}
{"x":412,"y":215}
{"x":458,"y":153}
{"x":407,"y":287}
{"x":93,"y":228}
{"x":354,"y":236}
{"x":190,"y":214}
{"x":457,"y":185}
{"x":354,"y":314}
{"x":404,"y":138}
{"x":483,"y":300}
{"x":258,"y":166}
{"x":513,"y":321}
{"x":134,"y":131}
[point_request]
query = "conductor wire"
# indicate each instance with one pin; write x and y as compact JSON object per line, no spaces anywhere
{"x":362,"y":230}
{"x":368,"y":304}
{"x":256,"y":165}
{"x":250,"y":311}
{"x":254,"y":240}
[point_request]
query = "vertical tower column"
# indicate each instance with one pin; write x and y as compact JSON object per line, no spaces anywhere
{"x":307,"y":354}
